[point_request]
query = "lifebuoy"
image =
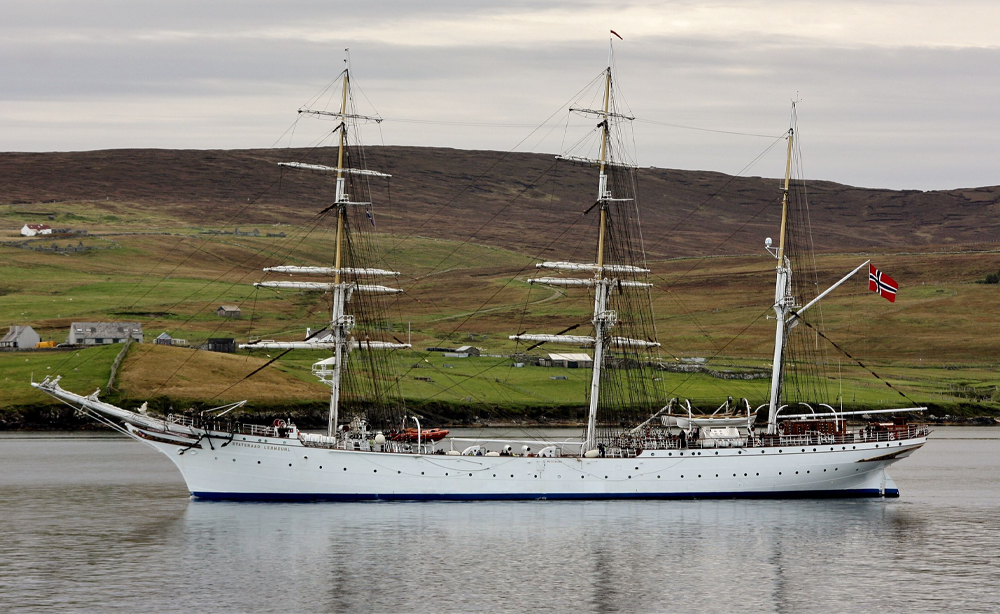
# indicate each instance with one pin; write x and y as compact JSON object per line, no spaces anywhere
{"x":892,"y":436}
{"x":279,"y":423}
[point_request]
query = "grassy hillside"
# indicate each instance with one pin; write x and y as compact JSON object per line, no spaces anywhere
{"x":154,"y":261}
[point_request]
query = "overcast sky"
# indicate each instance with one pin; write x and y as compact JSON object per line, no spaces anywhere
{"x":901,"y":94}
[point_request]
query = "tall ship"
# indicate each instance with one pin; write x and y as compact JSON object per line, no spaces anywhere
{"x":636,"y":443}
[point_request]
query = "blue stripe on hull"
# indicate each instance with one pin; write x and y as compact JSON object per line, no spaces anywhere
{"x":793,"y":494}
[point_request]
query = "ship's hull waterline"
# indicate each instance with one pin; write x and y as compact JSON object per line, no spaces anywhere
{"x":276,"y":469}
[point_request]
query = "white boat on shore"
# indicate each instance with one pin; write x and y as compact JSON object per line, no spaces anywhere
{"x":630,"y":449}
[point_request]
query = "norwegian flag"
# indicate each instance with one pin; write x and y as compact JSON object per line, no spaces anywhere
{"x":881,"y":283}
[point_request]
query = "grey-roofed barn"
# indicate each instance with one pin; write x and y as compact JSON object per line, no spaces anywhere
{"x":102,"y":333}
{"x":228,"y":311}
{"x":20,"y":337}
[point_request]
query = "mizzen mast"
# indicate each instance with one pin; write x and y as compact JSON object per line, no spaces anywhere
{"x":784,"y":300}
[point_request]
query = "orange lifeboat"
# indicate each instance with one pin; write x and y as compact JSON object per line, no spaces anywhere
{"x":410,"y":435}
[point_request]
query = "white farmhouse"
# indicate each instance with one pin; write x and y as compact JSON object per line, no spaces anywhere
{"x":102,"y":333}
{"x":31,"y":230}
{"x":20,"y":337}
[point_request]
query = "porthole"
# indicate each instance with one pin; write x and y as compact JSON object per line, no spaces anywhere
{"x":652,"y":453}
{"x":807,"y":472}
{"x":779,"y":473}
{"x":512,"y":475}
{"x":758,"y":474}
{"x":258,"y":462}
{"x":670,"y":453}
{"x":605,"y":477}
{"x":446,"y":473}
{"x":630,"y":477}
{"x":494,"y":475}
{"x":744,"y":475}
{"x":824,"y":471}
{"x":779,"y":451}
{"x":470,"y":475}
{"x":739,"y":451}
{"x":421,"y":473}
{"x":796,"y":473}
{"x":762,"y":451}
{"x":581,"y":477}
{"x":854,"y":447}
{"x":716,"y":453}
{"x":289,"y":464}
{"x":374,"y":470}
{"x":734,"y":475}
{"x":396,"y":472}
{"x":699,"y":475}
{"x":321,"y":466}
{"x":682,"y":476}
{"x":536,"y":476}
{"x":636,"y":468}
{"x":716,"y":475}
{"x":803,"y":449}
{"x":657,"y":477}
{"x":814,"y":449}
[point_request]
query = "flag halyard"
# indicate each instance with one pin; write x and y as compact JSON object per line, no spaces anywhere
{"x":882,"y":284}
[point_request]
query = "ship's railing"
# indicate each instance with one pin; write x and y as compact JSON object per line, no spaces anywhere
{"x":256,"y":429}
{"x":181,"y":420}
{"x":224,"y":427}
{"x":864,"y":435}
{"x":628,"y":446}
{"x":364,"y":445}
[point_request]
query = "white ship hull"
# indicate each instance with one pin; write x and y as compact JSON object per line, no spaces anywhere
{"x":264,"y":468}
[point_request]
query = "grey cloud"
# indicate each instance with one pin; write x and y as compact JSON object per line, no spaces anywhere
{"x":905,"y":117}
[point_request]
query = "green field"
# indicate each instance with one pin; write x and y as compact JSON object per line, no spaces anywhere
{"x":936,"y":344}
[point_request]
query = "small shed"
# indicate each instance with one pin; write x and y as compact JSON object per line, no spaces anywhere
{"x":103,"y":333}
{"x":226,"y":345}
{"x":31,"y":230}
{"x":166,"y":339}
{"x":570,"y":361}
{"x":229,"y":311}
{"x":468,"y":350}
{"x":20,"y":337}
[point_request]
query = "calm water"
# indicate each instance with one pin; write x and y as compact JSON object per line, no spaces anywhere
{"x":100,"y":523}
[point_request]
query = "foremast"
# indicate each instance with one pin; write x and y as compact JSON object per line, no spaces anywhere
{"x":346,"y":280}
{"x":603,"y":281}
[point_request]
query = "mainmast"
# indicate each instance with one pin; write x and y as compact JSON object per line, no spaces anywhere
{"x":605,"y":277}
{"x":338,"y":337}
{"x":340,"y":325}
{"x":784,"y":301}
{"x":603,"y":320}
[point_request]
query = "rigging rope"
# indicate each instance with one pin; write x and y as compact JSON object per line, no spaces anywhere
{"x":861,"y":364}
